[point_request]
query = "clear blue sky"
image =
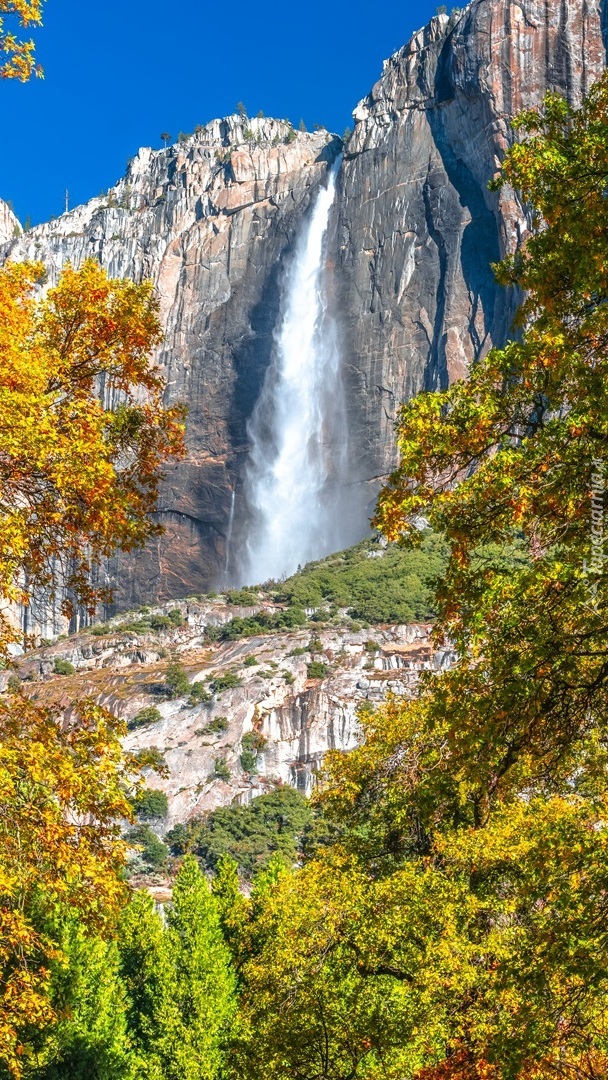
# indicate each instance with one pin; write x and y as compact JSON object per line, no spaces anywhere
{"x":118,"y":72}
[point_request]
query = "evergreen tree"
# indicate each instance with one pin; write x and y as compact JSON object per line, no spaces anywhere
{"x":89,"y":1040}
{"x":179,"y":981}
{"x":149,"y":980}
{"x":205,"y":998}
{"x":233,"y":907}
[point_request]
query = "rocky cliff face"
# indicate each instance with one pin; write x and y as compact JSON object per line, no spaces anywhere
{"x":418,"y":228}
{"x":9,"y":226}
{"x":414,"y":233}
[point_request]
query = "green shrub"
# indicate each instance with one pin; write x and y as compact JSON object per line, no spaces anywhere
{"x":215,"y":726}
{"x":317,"y":670}
{"x":99,"y":630}
{"x":178,"y":839}
{"x":152,"y":851}
{"x":226,"y":680}
{"x":250,"y":661}
{"x":198,"y":694}
{"x":264,"y":622}
{"x":63,"y":667}
{"x":254,"y":740}
{"x":177,"y":682}
{"x":300,"y":651}
{"x":242,"y":597}
{"x":159,"y":622}
{"x":221,"y":770}
{"x":248,"y":761}
{"x":148,"y":715}
{"x":315,"y":645}
{"x":134,"y":626}
{"x":150,"y":804}
{"x":288,"y":677}
{"x":372,"y":646}
{"x":175,"y":617}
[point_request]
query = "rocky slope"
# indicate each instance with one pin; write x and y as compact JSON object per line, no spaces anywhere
{"x":415,"y":229}
{"x":297,"y":716}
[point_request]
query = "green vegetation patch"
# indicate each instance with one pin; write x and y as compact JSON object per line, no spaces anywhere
{"x":149,"y":715}
{"x":264,"y":622}
{"x":152,"y":852}
{"x":317,"y":670}
{"x":150,"y":804}
{"x":377,"y":585}
{"x":271,"y":824}
{"x":63,"y":667}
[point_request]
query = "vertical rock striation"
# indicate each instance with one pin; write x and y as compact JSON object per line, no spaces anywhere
{"x":418,"y":228}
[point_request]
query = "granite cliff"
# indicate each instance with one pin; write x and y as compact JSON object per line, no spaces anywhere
{"x":418,"y":228}
{"x":209,"y":219}
{"x":413,"y":233}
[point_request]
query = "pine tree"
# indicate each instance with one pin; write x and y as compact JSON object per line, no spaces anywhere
{"x":179,"y":982}
{"x":233,"y":906}
{"x":205,"y":981}
{"x":149,"y":980}
{"x":89,"y":1040}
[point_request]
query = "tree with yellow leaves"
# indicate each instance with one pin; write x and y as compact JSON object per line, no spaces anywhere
{"x":456,"y":931}
{"x":83,"y":433}
{"x":83,"y":430}
{"x":19,"y":62}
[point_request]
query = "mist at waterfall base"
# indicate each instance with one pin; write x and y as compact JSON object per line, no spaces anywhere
{"x":297,"y":476}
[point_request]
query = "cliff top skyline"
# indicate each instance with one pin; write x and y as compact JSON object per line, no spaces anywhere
{"x":122,"y":79}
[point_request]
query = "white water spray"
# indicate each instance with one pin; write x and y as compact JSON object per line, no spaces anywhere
{"x":296,"y":474}
{"x":229,"y":533}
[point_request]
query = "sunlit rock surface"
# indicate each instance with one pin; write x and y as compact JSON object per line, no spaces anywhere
{"x":209,"y":220}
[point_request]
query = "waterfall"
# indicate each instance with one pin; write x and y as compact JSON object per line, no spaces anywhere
{"x":229,"y":533}
{"x":295,"y":480}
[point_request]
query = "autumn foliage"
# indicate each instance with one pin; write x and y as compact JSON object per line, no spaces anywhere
{"x":454,"y":928}
{"x":83,"y":432}
{"x":63,"y":791}
{"x":82,"y":429}
{"x":19,"y":60}
{"x":449,"y":922}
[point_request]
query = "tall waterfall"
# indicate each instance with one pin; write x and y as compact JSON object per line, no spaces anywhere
{"x":296,"y":474}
